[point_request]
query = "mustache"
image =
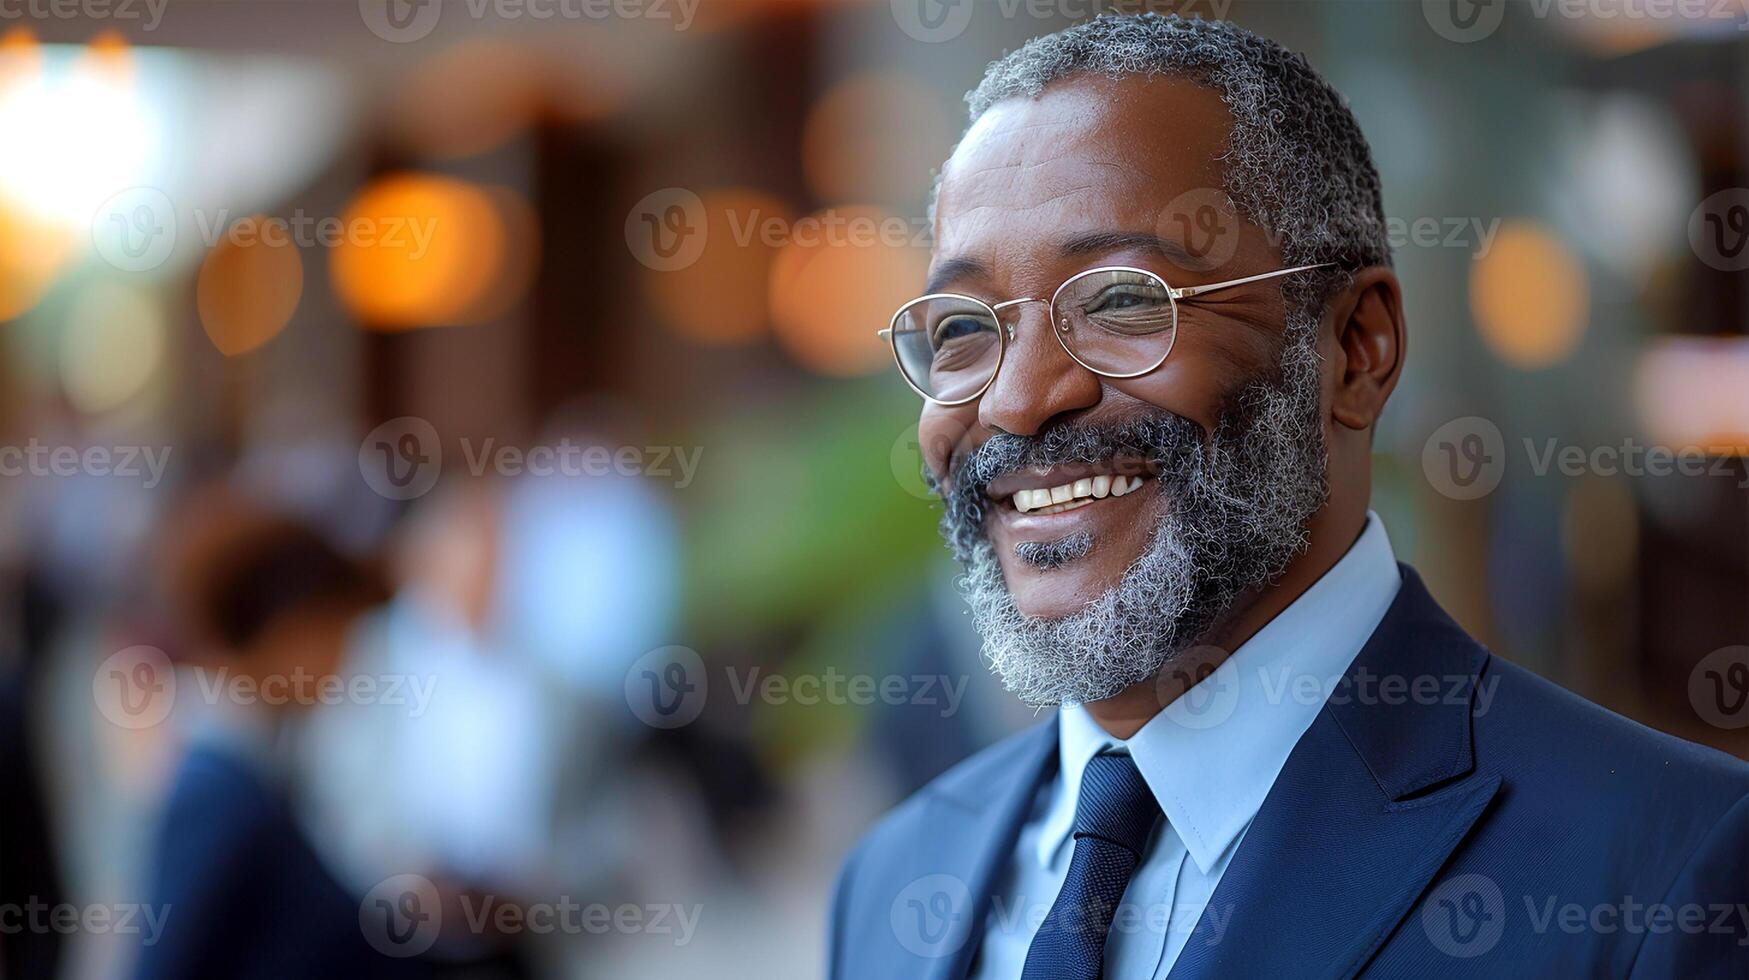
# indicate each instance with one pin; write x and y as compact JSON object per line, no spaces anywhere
{"x":1172,"y":443}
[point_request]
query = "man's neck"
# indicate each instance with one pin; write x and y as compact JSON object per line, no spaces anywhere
{"x":1331,"y":535}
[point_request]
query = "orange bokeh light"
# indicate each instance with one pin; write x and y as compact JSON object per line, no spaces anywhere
{"x":21,"y":56}
{"x":870,"y":137}
{"x":249,"y":286}
{"x":422,"y":250}
{"x":838,"y":281}
{"x":109,"y":56}
{"x":720,"y":299}
{"x":469,"y":99}
{"x":1530,"y":296}
{"x":32,"y":254}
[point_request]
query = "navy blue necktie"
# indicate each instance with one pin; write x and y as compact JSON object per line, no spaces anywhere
{"x":1113,"y":819}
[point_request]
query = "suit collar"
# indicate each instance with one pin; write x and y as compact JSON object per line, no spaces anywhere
{"x":1371,"y":803}
{"x":1212,"y":756}
{"x":1405,"y":702}
{"x":975,"y":814}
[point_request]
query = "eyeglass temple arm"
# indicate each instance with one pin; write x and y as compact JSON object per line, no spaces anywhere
{"x":1188,"y":291}
{"x":1185,"y":292}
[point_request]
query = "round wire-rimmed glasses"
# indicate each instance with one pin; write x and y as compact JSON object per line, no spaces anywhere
{"x":1116,"y":321}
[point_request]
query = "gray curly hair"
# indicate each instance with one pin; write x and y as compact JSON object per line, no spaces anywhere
{"x":1297,"y":164}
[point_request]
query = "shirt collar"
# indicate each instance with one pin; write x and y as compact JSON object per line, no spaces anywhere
{"x":1211,"y":757}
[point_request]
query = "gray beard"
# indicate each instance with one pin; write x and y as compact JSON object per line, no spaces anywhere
{"x":1237,"y":504}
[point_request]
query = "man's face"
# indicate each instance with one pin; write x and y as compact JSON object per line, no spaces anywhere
{"x":1097,"y":172}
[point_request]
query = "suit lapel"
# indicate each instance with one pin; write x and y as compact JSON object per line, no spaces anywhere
{"x":975,"y":824}
{"x":1374,"y":798}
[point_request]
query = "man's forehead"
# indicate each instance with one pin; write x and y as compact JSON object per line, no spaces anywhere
{"x":1086,"y":153}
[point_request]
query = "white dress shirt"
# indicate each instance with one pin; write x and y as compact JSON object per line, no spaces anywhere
{"x":1210,"y":758}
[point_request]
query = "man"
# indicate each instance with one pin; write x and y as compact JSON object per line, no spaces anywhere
{"x":1275,"y":755}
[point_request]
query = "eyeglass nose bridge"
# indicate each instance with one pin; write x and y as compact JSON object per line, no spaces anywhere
{"x":1009,"y":326}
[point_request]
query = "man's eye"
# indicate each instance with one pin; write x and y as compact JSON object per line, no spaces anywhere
{"x":957,"y":328}
{"x":1126,"y":298}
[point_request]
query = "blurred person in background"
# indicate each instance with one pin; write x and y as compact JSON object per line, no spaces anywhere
{"x":29,"y":859}
{"x":518,"y":606}
{"x":258,"y":603}
{"x":1170,"y":548}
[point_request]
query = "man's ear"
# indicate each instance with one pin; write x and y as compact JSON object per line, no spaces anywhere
{"x":1367,"y":318}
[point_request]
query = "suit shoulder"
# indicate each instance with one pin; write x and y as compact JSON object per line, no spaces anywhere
{"x":1530,"y":726}
{"x":973,"y":780}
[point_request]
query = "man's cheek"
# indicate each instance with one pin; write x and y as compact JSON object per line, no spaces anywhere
{"x":940,"y":436}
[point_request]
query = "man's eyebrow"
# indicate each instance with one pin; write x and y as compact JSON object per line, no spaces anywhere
{"x":951,"y":270}
{"x":1114,"y":241}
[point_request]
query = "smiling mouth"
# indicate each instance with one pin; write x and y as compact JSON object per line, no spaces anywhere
{"x":1073,"y":495}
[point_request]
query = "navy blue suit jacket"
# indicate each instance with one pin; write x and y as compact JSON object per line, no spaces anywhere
{"x":1527,"y":833}
{"x":246,"y":896}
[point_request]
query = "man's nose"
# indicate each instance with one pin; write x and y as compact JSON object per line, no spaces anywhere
{"x":1038,"y":380}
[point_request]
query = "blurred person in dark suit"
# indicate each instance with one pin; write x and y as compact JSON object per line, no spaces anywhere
{"x":29,"y":856}
{"x":258,"y":602}
{"x":1160,"y":328}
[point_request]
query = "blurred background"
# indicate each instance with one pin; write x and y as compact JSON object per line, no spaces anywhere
{"x":453,"y":503}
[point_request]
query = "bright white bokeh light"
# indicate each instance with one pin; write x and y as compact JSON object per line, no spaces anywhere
{"x":74,"y":137}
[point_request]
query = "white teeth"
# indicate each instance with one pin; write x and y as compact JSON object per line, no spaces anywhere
{"x":1071,"y":495}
